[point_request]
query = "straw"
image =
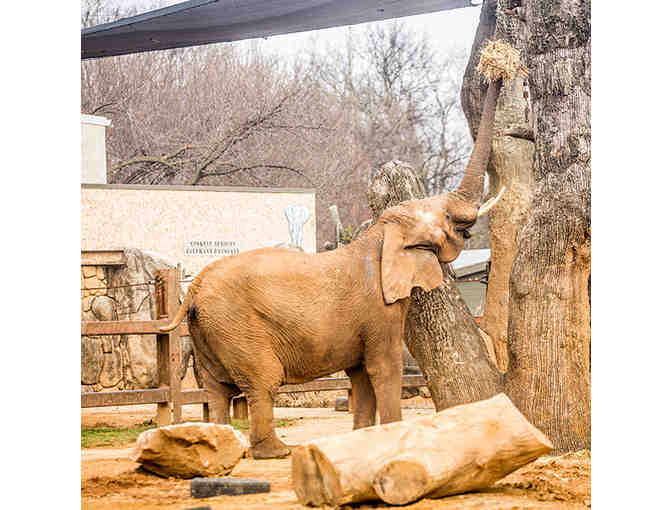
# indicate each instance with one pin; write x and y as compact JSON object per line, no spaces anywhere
{"x":500,"y":60}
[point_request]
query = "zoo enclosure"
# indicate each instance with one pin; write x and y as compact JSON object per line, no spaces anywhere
{"x":169,"y":396}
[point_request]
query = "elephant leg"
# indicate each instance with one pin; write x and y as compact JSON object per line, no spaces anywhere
{"x":219,"y":396}
{"x":363,"y":398}
{"x":264,"y":442}
{"x":260,"y":389}
{"x":384,"y":366}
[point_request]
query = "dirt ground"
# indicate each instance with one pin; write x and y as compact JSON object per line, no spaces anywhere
{"x":110,"y":480}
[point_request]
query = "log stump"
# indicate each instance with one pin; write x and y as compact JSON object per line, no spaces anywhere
{"x":460,"y":449}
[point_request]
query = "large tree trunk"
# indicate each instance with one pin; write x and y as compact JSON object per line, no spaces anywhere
{"x":465,"y":448}
{"x":549,"y":321}
{"x":440,"y":332}
{"x":510,"y":165}
{"x":538,"y":295}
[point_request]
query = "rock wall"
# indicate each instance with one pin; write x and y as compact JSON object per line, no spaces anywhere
{"x":120,"y":362}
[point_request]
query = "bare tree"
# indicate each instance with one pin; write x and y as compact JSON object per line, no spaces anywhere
{"x":405,"y":100}
{"x":95,"y":12}
{"x":226,"y":115}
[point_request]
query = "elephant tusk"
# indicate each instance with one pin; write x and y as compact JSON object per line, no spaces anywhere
{"x":490,"y":203}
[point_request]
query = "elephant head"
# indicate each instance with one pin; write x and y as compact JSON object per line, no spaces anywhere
{"x":418,"y":234}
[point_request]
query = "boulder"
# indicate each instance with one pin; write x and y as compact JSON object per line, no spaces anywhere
{"x":189,"y":450}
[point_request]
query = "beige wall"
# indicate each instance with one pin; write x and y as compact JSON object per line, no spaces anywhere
{"x":94,"y":162}
{"x":162,"y":218}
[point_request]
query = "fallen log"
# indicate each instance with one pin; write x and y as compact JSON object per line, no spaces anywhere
{"x":460,"y":449}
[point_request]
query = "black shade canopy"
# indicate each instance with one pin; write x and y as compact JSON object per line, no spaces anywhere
{"x":209,"y":21}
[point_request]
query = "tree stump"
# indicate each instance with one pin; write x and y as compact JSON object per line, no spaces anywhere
{"x":461,"y":449}
{"x":440,"y":331}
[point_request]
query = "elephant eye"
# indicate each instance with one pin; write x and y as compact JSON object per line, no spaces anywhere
{"x":466,"y":234}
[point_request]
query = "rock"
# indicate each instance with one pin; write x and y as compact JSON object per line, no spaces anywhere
{"x":104,"y":308}
{"x":88,"y":271}
{"x":86,"y":388}
{"x":141,"y":371}
{"x":92,"y":359}
{"x":189,"y":450}
{"x":91,"y":283}
{"x":86,"y":303}
{"x":89,"y":316}
{"x":112,"y":373}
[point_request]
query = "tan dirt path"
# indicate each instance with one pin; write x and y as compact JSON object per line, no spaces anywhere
{"x":111,"y":481}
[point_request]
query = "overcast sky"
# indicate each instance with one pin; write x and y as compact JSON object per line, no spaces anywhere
{"x":446,"y":29}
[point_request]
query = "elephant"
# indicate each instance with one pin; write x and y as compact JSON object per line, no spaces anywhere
{"x":270,"y":316}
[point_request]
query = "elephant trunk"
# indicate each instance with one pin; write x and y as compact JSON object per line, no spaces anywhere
{"x":471,"y":187}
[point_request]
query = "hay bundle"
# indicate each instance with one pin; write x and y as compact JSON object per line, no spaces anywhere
{"x":499,"y":60}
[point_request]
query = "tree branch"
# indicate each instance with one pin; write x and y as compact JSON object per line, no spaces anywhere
{"x":254,"y":167}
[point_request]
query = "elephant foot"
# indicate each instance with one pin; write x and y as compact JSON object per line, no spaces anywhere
{"x":271,"y":448}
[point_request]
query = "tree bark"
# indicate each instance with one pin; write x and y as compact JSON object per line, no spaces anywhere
{"x":465,"y":448}
{"x":510,"y":165}
{"x":538,"y":300}
{"x":440,"y":332}
{"x":549,"y":322}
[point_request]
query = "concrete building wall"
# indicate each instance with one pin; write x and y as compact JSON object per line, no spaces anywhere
{"x":195,"y":225}
{"x":94,"y":158}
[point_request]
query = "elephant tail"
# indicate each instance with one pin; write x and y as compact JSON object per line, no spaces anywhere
{"x":182,"y":311}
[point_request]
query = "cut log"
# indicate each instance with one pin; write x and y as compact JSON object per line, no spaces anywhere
{"x":460,"y":449}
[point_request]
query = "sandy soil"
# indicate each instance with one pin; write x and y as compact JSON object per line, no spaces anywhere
{"x":110,"y":480}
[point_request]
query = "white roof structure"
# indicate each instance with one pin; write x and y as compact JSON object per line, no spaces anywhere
{"x":471,"y":261}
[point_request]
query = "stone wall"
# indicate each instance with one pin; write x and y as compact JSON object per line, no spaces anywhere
{"x":118,"y":362}
{"x":100,"y":354}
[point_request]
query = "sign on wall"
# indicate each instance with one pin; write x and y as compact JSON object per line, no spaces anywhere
{"x":210,"y":248}
{"x":195,"y":225}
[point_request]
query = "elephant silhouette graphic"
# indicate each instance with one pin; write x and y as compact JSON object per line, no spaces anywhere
{"x":297,"y":216}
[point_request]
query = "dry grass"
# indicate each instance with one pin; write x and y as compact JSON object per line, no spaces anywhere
{"x":499,"y":60}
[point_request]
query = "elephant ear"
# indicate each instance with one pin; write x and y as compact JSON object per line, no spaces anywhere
{"x":404,"y":268}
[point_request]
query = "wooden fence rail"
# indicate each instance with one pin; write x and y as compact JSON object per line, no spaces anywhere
{"x":169,"y":396}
